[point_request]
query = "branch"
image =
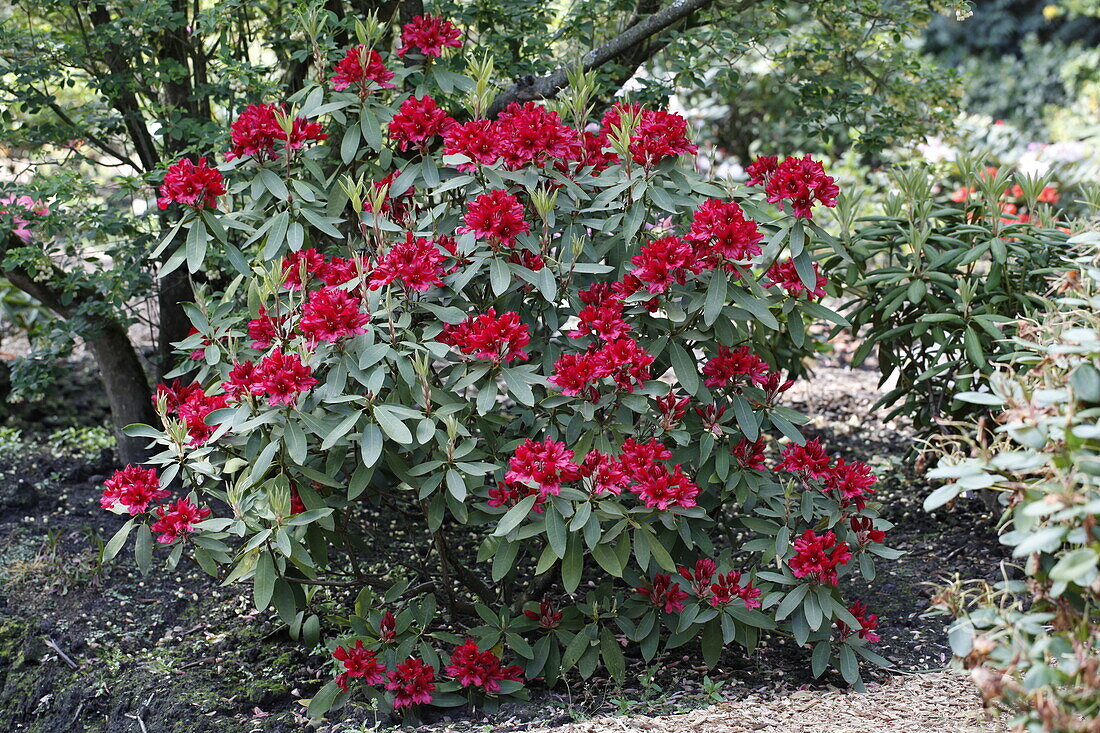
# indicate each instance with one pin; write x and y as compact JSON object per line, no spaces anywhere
{"x":529,"y":89}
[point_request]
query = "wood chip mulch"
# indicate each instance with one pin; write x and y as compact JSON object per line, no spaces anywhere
{"x":942,"y":702}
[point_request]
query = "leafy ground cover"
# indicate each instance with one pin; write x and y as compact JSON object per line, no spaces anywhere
{"x":84,"y":647}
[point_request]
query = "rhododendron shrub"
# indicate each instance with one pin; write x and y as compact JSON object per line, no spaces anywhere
{"x":548,"y":336}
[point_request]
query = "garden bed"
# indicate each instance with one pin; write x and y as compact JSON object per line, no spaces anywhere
{"x":108,"y":650}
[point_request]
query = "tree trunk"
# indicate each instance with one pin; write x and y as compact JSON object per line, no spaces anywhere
{"x":127,"y":389}
{"x":175,"y":290}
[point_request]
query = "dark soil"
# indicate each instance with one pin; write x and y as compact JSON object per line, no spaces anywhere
{"x":84,"y":648}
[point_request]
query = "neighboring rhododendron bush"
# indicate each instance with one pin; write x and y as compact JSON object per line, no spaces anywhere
{"x":1032,"y":640}
{"x":524,"y":361}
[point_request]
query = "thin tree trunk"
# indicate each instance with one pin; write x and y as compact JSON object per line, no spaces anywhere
{"x":127,"y":388}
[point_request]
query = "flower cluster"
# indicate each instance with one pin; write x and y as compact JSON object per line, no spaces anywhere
{"x":722,"y":233}
{"x":664,"y":594}
{"x":545,"y":464}
{"x":412,"y":682}
{"x":849,"y":482}
{"x":257,"y":130}
{"x":280,"y":376}
{"x":801,"y":181}
{"x":473,"y":667}
{"x":192,"y":184}
{"x":622,"y":360}
{"x":785,"y":275}
{"x":176,"y":520}
{"x":722,"y":588}
{"x":417,"y":120}
{"x":416,"y":262}
{"x":496,"y":216}
{"x":331,"y":314}
{"x":428,"y":35}
{"x":750,"y":454}
{"x":22,"y":207}
{"x":868,"y":622}
{"x":735,"y":366}
{"x":132,"y":489}
{"x":359,"y":67}
{"x":191,"y":404}
{"x":818,"y":557}
{"x":531,"y":134}
{"x":497,"y":339}
{"x":656,"y":136}
{"x":360,"y":663}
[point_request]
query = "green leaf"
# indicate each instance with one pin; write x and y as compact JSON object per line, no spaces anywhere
{"x":1074,"y":565}
{"x":324,"y":700}
{"x":791,"y":601}
{"x":684,"y":366}
{"x":556,"y":533}
{"x":263,"y":583}
{"x":716,"y":296}
{"x":514,"y":516}
{"x":500,"y":275}
{"x":612,"y":653}
{"x":115,"y":544}
{"x":819,"y":661}
{"x":391,"y":425}
{"x":746,"y":418}
{"x":849,"y":667}
{"x":573,"y":565}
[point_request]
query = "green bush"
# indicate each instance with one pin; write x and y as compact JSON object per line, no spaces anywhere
{"x":546,"y":374}
{"x":1032,"y":640}
{"x":941,"y":277}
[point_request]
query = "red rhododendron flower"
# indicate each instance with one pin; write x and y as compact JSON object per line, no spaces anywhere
{"x":193,"y":412}
{"x":282,"y":377}
{"x":306,"y":261}
{"x":721,"y":232}
{"x":264,"y":328}
{"x":547,"y":464}
{"x":473,"y":667}
{"x":341,"y":681}
{"x":727,"y":586}
{"x":809,"y":460}
{"x":603,"y":320}
{"x":864,"y":527}
{"x":257,"y":131}
{"x":176,"y":520}
{"x":387,"y":627}
{"x":417,"y":262}
{"x":359,"y":67}
{"x":623,"y":360}
{"x":132,"y":488}
{"x":412,"y":682}
{"x":429,"y":35}
{"x":852,"y":481}
{"x":342,"y":270}
{"x":868,"y":622}
{"x":785,"y":275}
{"x":418,"y":119}
{"x":660,"y":488}
{"x":603,"y":474}
{"x":636,"y":457}
{"x":672,"y":410}
{"x":174,"y":394}
{"x":594,"y":152}
{"x":802,"y":181}
{"x":546,"y":617}
{"x":701,"y":575}
{"x":360,"y":662}
{"x":192,"y":184}
{"x":761,"y":169}
{"x":489,"y":337}
{"x":496,"y":216}
{"x":818,"y":557}
{"x":724,"y":369}
{"x":332,"y":314}
{"x":531,"y":133}
{"x":241,"y":380}
{"x":664,"y":594}
{"x":533,"y":261}
{"x":476,"y":139}
{"x":750,"y":454}
{"x":663,"y":262}
{"x":658,"y":135}
{"x":297,"y":506}
{"x":504,"y":494}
